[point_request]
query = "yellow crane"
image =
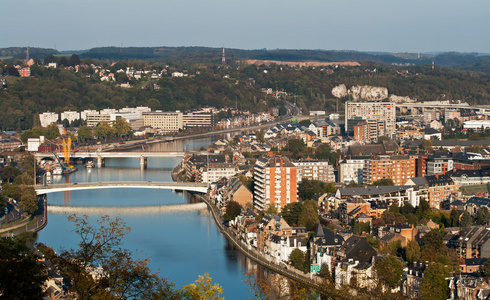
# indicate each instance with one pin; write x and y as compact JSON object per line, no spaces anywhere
{"x":67,"y":150}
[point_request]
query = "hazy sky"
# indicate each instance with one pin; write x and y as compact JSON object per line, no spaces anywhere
{"x":364,"y":25}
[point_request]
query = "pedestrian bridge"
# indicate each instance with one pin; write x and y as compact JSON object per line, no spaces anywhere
{"x":180,"y":186}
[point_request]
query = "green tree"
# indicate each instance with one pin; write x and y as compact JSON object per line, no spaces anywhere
{"x":383,"y":181}
{"x":28,"y":199}
{"x":8,"y":173}
{"x":21,"y":276}
{"x":360,"y":227}
{"x":325,"y":272}
{"x":389,"y":271}
{"x":233,"y":209}
{"x":309,"y":215}
{"x":291,"y":212}
{"x":52,"y":132}
{"x":466,"y":219}
{"x":154,"y":104}
{"x":120,"y":275}
{"x":432,"y":245}
{"x":85,"y":133}
{"x":454,"y":218}
{"x":297,"y":259}
{"x":203,"y":289}
{"x":482,"y":216}
{"x":103,"y":130}
{"x":434,"y":285}
{"x":296,"y":145}
{"x":260,"y":135}
{"x":121,"y":127}
{"x":412,"y":251}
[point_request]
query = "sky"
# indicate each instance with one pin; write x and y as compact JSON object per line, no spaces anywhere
{"x":362,"y":25}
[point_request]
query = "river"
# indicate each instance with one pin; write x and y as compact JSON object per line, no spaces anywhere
{"x":182,"y":245}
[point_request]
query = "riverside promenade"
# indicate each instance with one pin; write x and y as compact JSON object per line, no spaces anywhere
{"x":284,"y":270}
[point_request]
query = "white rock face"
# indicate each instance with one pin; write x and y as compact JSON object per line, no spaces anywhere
{"x":339,"y":91}
{"x":402,"y":99}
{"x":366,"y":92}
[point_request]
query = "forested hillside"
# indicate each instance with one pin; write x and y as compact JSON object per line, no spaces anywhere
{"x":210,"y":84}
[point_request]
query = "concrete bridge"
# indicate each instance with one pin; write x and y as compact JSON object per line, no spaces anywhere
{"x":180,"y":186}
{"x":101,"y":156}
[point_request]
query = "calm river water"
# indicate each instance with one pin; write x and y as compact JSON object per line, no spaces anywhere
{"x":182,"y":245}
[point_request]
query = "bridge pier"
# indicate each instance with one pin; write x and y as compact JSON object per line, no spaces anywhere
{"x":143,"y":162}
{"x":100,"y":161}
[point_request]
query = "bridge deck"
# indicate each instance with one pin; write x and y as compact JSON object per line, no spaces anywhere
{"x":184,"y":186}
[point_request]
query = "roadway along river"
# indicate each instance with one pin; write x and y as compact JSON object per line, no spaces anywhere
{"x":182,"y":244}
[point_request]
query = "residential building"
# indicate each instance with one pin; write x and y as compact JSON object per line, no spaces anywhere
{"x":236,"y":191}
{"x":411,"y":286}
{"x":25,"y":72}
{"x":215,"y":171}
{"x":70,"y":116}
{"x":398,"y":195}
{"x":83,"y":114}
{"x":470,"y":177}
{"x":313,"y":169}
{"x":441,"y":187}
{"x":95,"y":118}
{"x":410,"y":135}
{"x":471,"y":242}
{"x":476,"y":125}
{"x":198,"y":119}
{"x":398,"y":168}
{"x":372,"y":112}
{"x":352,"y":170}
{"x":48,"y":118}
{"x":165,"y":121}
{"x":323,"y":246}
{"x":396,"y":232}
{"x":439,"y":163}
{"x":276,"y":182}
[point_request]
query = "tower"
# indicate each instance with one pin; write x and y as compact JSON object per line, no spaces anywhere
{"x":223,"y":60}
{"x":27,"y":54}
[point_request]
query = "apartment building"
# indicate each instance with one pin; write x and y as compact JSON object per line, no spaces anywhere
{"x":163,"y":120}
{"x":215,"y":171}
{"x":198,"y":119}
{"x":380,"y":116}
{"x":313,"y":169}
{"x":471,"y":242}
{"x":95,"y":118}
{"x":48,"y":118}
{"x":352,"y":170}
{"x":276,"y":182}
{"x":70,"y":116}
{"x":398,"y":168}
{"x":439,"y":163}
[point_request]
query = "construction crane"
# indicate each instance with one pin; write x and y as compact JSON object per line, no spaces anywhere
{"x":66,"y":168}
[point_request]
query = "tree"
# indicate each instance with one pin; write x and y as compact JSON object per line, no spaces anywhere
{"x":325,"y":272}
{"x":482,"y":216}
{"x":389,"y":271}
{"x":309,"y":215}
{"x":103,"y":130}
{"x":434,"y":285}
{"x":28,"y":199}
{"x":426,"y":145}
{"x":454,"y":218}
{"x":121,"y":127}
{"x":291,"y":212}
{"x":21,"y":276}
{"x":52,"y":132}
{"x":101,"y":269}
{"x":383,"y":182}
{"x":154,"y":104}
{"x":85,"y":133}
{"x":466,"y":219}
{"x":432,"y":245}
{"x":203,"y":289}
{"x":297,"y":259}
{"x":260,"y":135}
{"x":412,"y":251}
{"x":233,"y":209}
{"x":361,"y":227}
{"x":8,"y":173}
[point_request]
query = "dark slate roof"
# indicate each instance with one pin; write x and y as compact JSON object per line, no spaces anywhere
{"x":356,"y":150}
{"x":357,"y":248}
{"x":478,"y":201}
{"x":438,"y":180}
{"x":387,"y":237}
{"x":440,"y":155}
{"x":419,"y":181}
{"x":453,"y":143}
{"x":327,"y":237}
{"x":470,"y":173}
{"x":372,"y":190}
{"x":474,"y":261}
{"x":430,"y":131}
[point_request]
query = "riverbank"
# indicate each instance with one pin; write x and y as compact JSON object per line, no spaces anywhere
{"x":284,"y":270}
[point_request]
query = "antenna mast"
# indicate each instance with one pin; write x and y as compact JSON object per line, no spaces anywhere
{"x":223,"y":60}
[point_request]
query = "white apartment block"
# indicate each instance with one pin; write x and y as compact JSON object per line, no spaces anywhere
{"x":95,"y":118}
{"x":83,"y":114}
{"x":70,"y":116}
{"x":352,"y":171}
{"x":315,"y":170}
{"x":165,"y":121}
{"x":134,"y":118}
{"x":48,"y":118}
{"x":198,"y":119}
{"x":384,"y":111}
{"x":216,"y":171}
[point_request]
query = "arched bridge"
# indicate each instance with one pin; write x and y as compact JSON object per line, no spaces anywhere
{"x":181,"y":186}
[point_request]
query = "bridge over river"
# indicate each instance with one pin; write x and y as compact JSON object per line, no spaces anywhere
{"x":101,"y":156}
{"x":77,"y":186}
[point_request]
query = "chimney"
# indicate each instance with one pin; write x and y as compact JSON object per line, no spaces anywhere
{"x":437,"y":176}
